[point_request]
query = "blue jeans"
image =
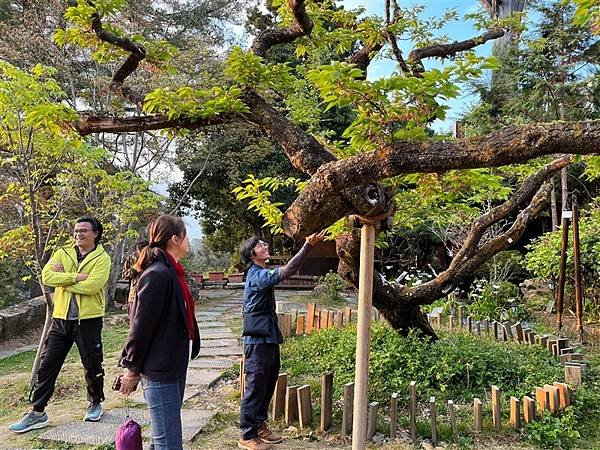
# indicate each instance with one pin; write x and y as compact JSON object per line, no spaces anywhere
{"x":164,"y":400}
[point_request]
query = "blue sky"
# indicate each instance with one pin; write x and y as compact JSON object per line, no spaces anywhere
{"x":457,"y":31}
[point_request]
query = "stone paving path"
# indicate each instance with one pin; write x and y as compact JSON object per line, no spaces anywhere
{"x":219,"y":351}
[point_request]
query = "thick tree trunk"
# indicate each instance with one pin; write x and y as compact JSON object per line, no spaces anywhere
{"x":43,"y":337}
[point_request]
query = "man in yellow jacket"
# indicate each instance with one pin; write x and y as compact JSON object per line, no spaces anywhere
{"x":78,"y":274}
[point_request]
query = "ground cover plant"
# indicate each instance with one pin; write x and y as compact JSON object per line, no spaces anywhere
{"x":458,"y":367}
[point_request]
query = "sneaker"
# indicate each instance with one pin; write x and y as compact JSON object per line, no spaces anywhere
{"x":253,"y":444}
{"x":268,"y":436}
{"x":29,"y":422}
{"x":93,"y":413}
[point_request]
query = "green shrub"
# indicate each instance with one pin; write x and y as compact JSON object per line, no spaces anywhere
{"x":497,"y":300}
{"x":329,"y":288}
{"x":457,"y":366}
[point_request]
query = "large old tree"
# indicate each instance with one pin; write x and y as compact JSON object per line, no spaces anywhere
{"x":386,"y":139}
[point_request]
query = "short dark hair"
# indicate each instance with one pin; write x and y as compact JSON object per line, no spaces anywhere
{"x":247,"y":249}
{"x":96,"y":226}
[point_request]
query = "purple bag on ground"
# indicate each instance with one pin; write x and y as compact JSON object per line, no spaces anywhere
{"x":129,"y":436}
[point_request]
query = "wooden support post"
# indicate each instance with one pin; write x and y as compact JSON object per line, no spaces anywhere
{"x":279,"y":396}
{"x":330,"y":319}
{"x":348,"y":409}
{"x":453,"y":425}
{"x":304,"y":406}
{"x":544,"y":341}
{"x":496,"y":416}
{"x":478,"y":327}
{"x":461,"y":316}
{"x":287,"y":324}
{"x":412,"y":412}
{"x":310,"y":317}
{"x":519,"y":332}
{"x":339,"y":319}
{"x":495,"y":328}
{"x":294,"y":312}
{"x":433,"y":418}
{"x":363,"y":335}
{"x":300,"y":325}
{"x":477,"y":417}
{"x":486,"y":325}
{"x":324,"y":323}
{"x":553,"y":397}
{"x":291,"y":405}
{"x":532,"y":337}
{"x":561,"y":344}
{"x":347,"y":315}
{"x":450,"y":322}
{"x":562,"y":273}
{"x":564,"y":394}
{"x":528,"y":409}
{"x":372,"y":420}
{"x":577,"y":271}
{"x":393,"y":415}
{"x":469,"y":324}
{"x":515,"y":413}
{"x":573,"y":374}
{"x":507,"y":330}
{"x":541,"y":400}
{"x":326,"y":400}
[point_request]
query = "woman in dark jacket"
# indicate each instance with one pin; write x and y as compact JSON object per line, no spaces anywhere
{"x":162,"y":330}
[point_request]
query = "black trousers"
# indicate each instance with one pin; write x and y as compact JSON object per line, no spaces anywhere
{"x":261,"y":365}
{"x":86,"y":334}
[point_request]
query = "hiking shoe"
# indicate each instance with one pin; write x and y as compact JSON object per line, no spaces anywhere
{"x":253,"y":444}
{"x":93,"y":412}
{"x":268,"y":436}
{"x":29,"y":422}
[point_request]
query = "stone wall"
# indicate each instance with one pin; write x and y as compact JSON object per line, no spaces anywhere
{"x":18,"y":319}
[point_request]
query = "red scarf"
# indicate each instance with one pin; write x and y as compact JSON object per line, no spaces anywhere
{"x":187,"y":296}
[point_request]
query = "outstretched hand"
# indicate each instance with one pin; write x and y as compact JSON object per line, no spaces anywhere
{"x":316,"y":237}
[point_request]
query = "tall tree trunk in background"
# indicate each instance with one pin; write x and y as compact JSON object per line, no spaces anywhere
{"x":43,"y":337}
{"x":554,"y":207}
{"x":501,"y":9}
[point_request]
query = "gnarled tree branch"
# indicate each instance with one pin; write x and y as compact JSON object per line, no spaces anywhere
{"x":399,"y":304}
{"x":136,"y":54}
{"x":269,"y":38}
{"x":446,"y":50}
{"x":510,"y":145}
{"x":93,"y":124}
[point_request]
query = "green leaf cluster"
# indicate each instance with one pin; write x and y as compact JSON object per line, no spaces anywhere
{"x":259,"y":191}
{"x":247,"y":69}
{"x":195,"y":103}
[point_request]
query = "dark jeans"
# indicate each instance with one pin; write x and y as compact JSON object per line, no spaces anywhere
{"x":164,"y":400}
{"x":261,"y":365}
{"x":87,"y":334}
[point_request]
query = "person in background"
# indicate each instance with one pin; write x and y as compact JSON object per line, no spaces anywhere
{"x":78,"y":272}
{"x":133,"y":276}
{"x":161,"y":331}
{"x":262,"y":338}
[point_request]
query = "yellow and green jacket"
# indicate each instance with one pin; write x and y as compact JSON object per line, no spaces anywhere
{"x":89,"y":293}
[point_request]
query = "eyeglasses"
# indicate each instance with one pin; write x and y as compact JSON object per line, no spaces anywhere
{"x":261,"y":244}
{"x":81,"y":231}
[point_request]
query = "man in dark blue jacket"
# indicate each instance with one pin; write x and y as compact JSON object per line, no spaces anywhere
{"x":262,"y":338}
